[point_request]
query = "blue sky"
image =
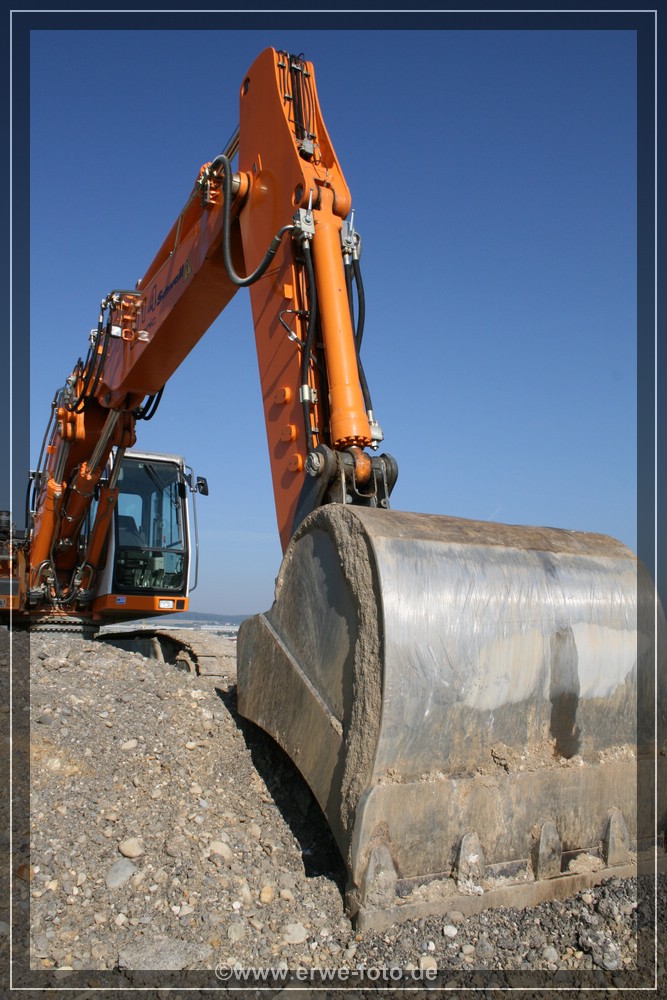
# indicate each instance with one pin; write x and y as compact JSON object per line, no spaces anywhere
{"x":493,"y":176}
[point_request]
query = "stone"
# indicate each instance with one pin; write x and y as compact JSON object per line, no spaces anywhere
{"x":164,"y":954}
{"x":47,"y":720}
{"x":611,"y":958}
{"x":294,"y":934}
{"x":427,"y":963}
{"x":236,"y":931}
{"x":119,"y":873}
{"x":131,"y":847}
{"x":484,"y":949}
{"x":219,"y":847}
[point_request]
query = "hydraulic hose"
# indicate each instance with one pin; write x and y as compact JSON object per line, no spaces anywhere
{"x":102,"y":360}
{"x":365,"y":391}
{"x":361,"y":298}
{"x":310,"y":333}
{"x":148,"y":411}
{"x":347,"y":268}
{"x":31,"y":493}
{"x":236,"y":279}
{"x":93,"y":368}
{"x":361,"y":319}
{"x":81,"y":367}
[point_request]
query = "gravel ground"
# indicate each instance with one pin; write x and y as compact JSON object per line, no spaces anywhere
{"x":166,"y":833}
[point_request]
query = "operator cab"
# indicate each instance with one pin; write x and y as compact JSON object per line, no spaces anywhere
{"x":149,"y":566}
{"x":151,"y":547}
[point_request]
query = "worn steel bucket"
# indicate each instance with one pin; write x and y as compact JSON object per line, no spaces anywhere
{"x":460,"y":696}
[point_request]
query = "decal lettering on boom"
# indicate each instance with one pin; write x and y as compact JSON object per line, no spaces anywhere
{"x":157,"y":298}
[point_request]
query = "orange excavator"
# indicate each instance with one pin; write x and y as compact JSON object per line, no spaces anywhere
{"x":460,"y":696}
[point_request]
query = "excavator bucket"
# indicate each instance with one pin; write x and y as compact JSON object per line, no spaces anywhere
{"x":461,"y":697}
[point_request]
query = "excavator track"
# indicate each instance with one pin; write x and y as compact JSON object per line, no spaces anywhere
{"x":189,"y":649}
{"x":62,"y":625}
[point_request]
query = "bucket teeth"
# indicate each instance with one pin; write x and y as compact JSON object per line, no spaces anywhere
{"x":470,"y":861}
{"x":379,"y":881}
{"x":616,"y":840}
{"x":546,"y":852}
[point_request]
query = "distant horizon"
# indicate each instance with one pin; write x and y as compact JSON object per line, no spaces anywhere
{"x":214,"y":615}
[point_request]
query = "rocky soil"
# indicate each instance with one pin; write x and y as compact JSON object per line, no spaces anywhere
{"x":165,"y":833}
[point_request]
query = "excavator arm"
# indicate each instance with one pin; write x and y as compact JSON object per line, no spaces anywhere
{"x":275,"y":225}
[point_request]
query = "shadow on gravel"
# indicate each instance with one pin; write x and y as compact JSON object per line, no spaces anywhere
{"x":293,"y":797}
